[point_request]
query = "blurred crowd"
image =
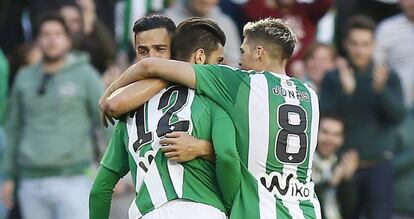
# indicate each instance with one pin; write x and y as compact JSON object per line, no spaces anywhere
{"x":356,"y":54}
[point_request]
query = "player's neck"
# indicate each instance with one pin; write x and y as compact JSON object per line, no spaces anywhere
{"x":278,"y":69}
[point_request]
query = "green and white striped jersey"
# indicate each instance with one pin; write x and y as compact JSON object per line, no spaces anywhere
{"x":135,"y":147}
{"x":276,"y":119}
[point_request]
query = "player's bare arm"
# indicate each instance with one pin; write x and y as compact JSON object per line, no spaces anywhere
{"x":170,"y":70}
{"x":129,"y":98}
{"x":132,"y":96}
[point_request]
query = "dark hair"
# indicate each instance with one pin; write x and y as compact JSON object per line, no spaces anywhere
{"x":272,"y":32}
{"x":72,"y":5}
{"x":331,"y":115}
{"x":311,"y":49}
{"x":194,"y":33}
{"x":362,"y":22}
{"x":154,"y":22}
{"x":51,"y":16}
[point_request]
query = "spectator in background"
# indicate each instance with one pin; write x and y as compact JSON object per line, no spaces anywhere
{"x":24,"y":55}
{"x":234,"y":8}
{"x":369,"y":99}
{"x":395,"y":37}
{"x":330,"y":173}
{"x":404,"y":173}
{"x":208,"y":9}
{"x":89,"y":34}
{"x":376,"y":9}
{"x":53,"y":105}
{"x":319,"y":58}
{"x":301,"y":17}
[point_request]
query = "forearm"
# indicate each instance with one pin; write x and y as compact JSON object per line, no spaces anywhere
{"x":101,"y":193}
{"x":169,"y":70}
{"x":132,"y":96}
{"x":205,"y":150}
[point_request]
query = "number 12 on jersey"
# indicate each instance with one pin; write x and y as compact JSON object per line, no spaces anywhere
{"x":171,"y":102}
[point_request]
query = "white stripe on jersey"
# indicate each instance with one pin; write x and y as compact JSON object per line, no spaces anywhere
{"x":258,"y":124}
{"x":132,"y":134}
{"x":154,"y":186}
{"x":176,"y":170}
{"x":291,"y":205}
{"x":152,"y":178}
{"x":316,"y":207}
{"x":259,"y":140}
{"x":313,"y":141}
{"x":133,"y":212}
{"x":314,"y":128}
{"x":267,"y":203}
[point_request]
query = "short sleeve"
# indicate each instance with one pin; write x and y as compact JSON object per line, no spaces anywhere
{"x":116,"y":156}
{"x":220,"y":83}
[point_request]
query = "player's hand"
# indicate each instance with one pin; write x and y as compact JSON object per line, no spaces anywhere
{"x":380,"y":77}
{"x":102,"y":109}
{"x":346,"y":76}
{"x":8,"y":191}
{"x":182,"y":147}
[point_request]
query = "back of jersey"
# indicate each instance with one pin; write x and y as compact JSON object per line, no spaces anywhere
{"x":157,"y":179}
{"x":276,"y":119}
{"x":282,"y":140}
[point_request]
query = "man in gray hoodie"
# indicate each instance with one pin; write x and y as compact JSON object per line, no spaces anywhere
{"x":53,"y":106}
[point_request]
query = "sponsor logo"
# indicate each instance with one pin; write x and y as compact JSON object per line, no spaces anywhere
{"x":286,"y":186}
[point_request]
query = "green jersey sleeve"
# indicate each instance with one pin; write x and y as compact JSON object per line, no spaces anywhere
{"x":228,"y":167}
{"x":100,"y":196}
{"x":116,"y":156}
{"x":221,"y":83}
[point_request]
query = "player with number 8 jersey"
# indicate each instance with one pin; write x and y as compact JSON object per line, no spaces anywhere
{"x":276,"y":118}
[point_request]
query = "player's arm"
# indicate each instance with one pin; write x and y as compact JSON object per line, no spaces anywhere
{"x":170,"y":70}
{"x":228,"y":167}
{"x":132,"y":96}
{"x":220,"y":83}
{"x":100,"y":196}
{"x":114,"y":165}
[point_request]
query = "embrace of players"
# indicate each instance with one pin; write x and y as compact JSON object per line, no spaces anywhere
{"x":206,"y":140}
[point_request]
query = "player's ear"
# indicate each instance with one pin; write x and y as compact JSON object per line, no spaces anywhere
{"x":200,"y":56}
{"x":259,"y":52}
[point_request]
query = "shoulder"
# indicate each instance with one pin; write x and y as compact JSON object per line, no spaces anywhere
{"x":391,"y":23}
{"x":332,"y":76}
{"x":394,"y":75}
{"x":79,"y":64}
{"x":27,"y":72}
